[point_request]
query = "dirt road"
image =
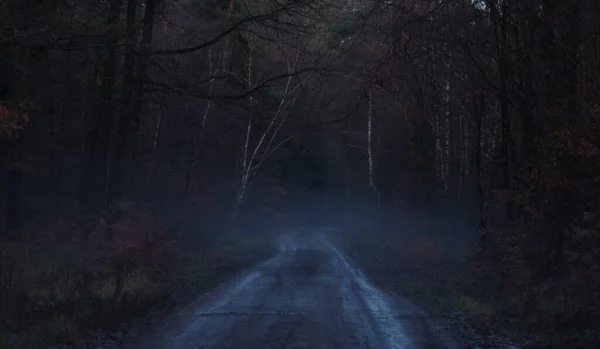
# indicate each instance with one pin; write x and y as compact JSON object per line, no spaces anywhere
{"x":307,"y":296}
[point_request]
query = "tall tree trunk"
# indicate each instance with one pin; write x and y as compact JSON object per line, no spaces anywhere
{"x":128,"y":126}
{"x":94,"y":193}
{"x":226,"y":53}
{"x":530,"y":129}
{"x":500,"y":26}
{"x":479,"y":112}
{"x":504,"y":108}
{"x":346,"y":164}
{"x":561,"y":48}
{"x":15,"y":164}
{"x":246,"y":159}
{"x":254,"y":156}
{"x":123,"y":123}
{"x":194,"y":149}
{"x":14,"y":189}
{"x":370,"y":146}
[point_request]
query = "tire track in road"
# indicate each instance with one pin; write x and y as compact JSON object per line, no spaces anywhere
{"x":398,"y":322}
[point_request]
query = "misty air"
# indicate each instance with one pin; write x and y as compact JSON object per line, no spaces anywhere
{"x":289,"y":174}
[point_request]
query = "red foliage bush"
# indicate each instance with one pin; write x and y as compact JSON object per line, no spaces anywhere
{"x":141,"y":241}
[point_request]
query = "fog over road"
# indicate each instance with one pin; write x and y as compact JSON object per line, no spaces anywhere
{"x":307,"y":296}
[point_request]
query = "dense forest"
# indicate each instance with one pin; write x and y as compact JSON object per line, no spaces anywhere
{"x":134,"y":134}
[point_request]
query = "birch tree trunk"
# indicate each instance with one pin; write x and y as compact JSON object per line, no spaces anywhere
{"x":246,"y":162}
{"x":370,"y":146}
{"x":254,"y":156}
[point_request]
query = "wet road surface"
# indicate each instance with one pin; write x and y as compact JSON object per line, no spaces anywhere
{"x":307,"y":296}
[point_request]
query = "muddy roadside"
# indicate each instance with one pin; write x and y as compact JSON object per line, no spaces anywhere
{"x":434,"y":287}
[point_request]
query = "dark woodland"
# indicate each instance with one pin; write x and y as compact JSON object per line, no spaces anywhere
{"x":150,"y":149}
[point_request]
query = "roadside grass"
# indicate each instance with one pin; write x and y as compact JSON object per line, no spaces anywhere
{"x":60,"y":291}
{"x":44,"y":302}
